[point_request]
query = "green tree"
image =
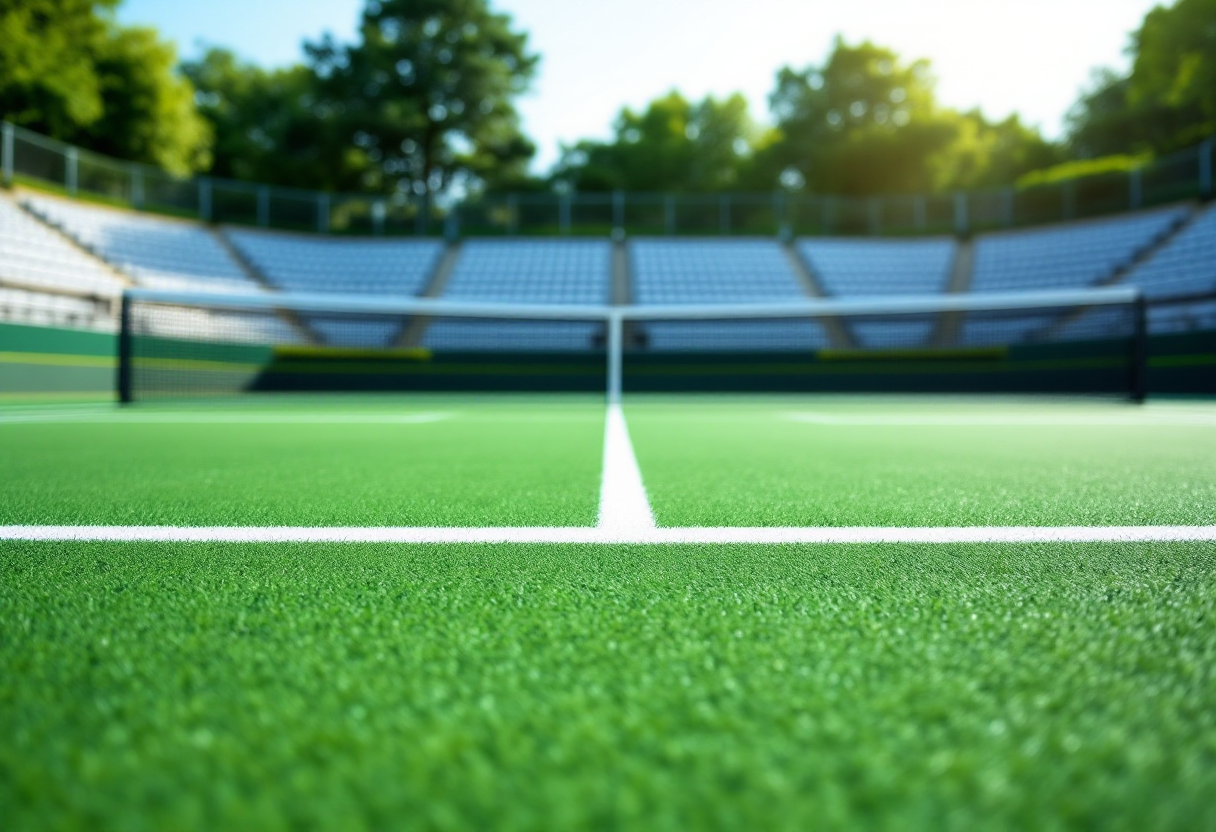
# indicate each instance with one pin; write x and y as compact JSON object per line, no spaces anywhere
{"x":672,"y":145}
{"x":67,"y":69}
{"x":426,"y":97}
{"x":148,"y":110}
{"x":867,"y":122}
{"x":48,"y":81}
{"x":264,"y":121}
{"x":1167,"y":101}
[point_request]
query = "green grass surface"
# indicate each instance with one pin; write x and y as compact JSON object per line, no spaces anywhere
{"x":710,"y":462}
{"x":300,"y":687}
{"x":151,"y":687}
{"x":484,"y":464}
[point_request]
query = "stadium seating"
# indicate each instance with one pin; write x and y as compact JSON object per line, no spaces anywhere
{"x":859,"y":268}
{"x":1067,"y":256}
{"x":1184,"y":266}
{"x":525,"y":271}
{"x":667,"y":271}
{"x":299,"y":263}
{"x":42,"y":309}
{"x":34,"y":256}
{"x":155,"y":252}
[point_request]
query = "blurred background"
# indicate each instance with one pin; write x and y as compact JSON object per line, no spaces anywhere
{"x":449,"y":99}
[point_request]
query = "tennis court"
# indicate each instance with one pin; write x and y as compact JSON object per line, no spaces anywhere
{"x":952,"y":685}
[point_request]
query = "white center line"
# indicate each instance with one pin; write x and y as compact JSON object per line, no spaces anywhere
{"x":624,"y":509}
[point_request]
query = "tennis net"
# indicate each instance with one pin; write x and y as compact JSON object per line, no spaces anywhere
{"x":176,"y":344}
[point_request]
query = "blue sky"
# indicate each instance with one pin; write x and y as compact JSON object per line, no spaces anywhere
{"x":1030,"y":56}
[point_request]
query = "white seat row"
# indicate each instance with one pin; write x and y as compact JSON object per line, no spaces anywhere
{"x":858,"y":267}
{"x":526,"y":271}
{"x":25,"y":307}
{"x":299,"y":263}
{"x":155,"y":252}
{"x":1076,"y":255}
{"x":33,"y":255}
{"x":667,"y":271}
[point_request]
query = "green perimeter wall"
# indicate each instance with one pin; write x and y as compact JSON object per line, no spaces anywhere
{"x":40,"y":361}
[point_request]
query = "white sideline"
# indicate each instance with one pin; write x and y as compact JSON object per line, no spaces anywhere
{"x":226,"y":418}
{"x":624,"y":509}
{"x":652,"y":536}
{"x":1140,"y":419}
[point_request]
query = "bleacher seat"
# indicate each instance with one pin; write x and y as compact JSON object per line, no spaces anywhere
{"x":867,"y":268}
{"x":862,"y":268}
{"x":1067,"y":256}
{"x":1186,"y":265}
{"x":298,"y":263}
{"x":34,"y":256}
{"x":525,"y":271}
{"x":667,"y":271}
{"x":1070,"y":256}
{"x":42,"y":309}
{"x":155,"y":252}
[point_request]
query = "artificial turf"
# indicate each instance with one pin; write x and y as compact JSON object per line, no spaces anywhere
{"x":709,"y":462}
{"x":513,"y":463}
{"x":284,"y":687}
{"x":295,"y":687}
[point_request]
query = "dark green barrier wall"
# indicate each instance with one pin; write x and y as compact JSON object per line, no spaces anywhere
{"x":37,"y":360}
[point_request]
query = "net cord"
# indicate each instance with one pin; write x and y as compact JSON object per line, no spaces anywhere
{"x":810,"y":308}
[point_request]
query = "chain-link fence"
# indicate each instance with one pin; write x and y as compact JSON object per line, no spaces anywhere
{"x":29,"y":158}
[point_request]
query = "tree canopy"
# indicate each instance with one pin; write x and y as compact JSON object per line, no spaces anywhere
{"x":673,"y":145}
{"x":1168,"y":99}
{"x":426,"y":97}
{"x":423,"y":101}
{"x":68,"y":70}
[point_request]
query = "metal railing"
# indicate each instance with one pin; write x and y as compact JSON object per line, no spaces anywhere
{"x":33,"y":159}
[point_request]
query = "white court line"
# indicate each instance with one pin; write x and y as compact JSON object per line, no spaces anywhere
{"x":624,"y":508}
{"x":639,"y":536}
{"x":1061,"y":420}
{"x":228,"y":418}
{"x":624,"y":518}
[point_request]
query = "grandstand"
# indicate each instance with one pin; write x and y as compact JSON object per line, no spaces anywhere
{"x":46,"y":280}
{"x":525,"y":271}
{"x":675,"y":272}
{"x":152,"y":251}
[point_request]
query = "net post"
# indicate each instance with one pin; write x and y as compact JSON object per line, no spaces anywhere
{"x":616,"y":340}
{"x":124,"y":350}
{"x":1139,"y":366}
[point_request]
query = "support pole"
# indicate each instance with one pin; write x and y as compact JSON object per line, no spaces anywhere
{"x":616,"y":341}
{"x":961,"y":221}
{"x":7,"y":152}
{"x":1135,"y":188}
{"x":618,"y":211}
{"x":1139,"y":366}
{"x":72,"y":170}
{"x":322,"y":213}
{"x":1205,"y":167}
{"x":204,"y":199}
{"x":137,"y":187}
{"x":379,"y":210}
{"x":124,"y":350}
{"x":563,"y":210}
